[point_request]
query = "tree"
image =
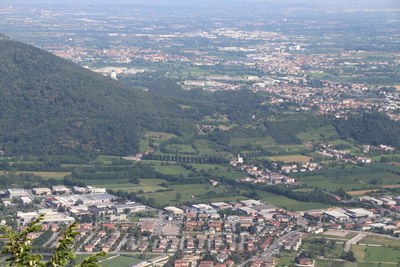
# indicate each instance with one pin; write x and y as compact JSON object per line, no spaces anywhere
{"x":18,"y":248}
{"x":178,"y":196}
{"x":350,"y":256}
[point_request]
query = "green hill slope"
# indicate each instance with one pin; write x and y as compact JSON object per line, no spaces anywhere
{"x":48,"y":104}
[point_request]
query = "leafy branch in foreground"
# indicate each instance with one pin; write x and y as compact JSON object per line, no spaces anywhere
{"x":18,"y":248}
{"x":18,"y":245}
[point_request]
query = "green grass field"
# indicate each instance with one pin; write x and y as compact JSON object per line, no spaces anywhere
{"x":332,"y":263}
{"x":218,"y":170}
{"x":120,"y":261}
{"x":319,"y":135}
{"x":354,"y":178}
{"x":381,"y":241}
{"x":291,"y":158}
{"x":287,"y":149}
{"x":288,"y":203}
{"x":260,"y":141}
{"x":175,"y":148}
{"x":117,"y":260}
{"x":46,"y":175}
{"x":191,"y":192}
{"x":205,"y":147}
{"x":171,"y":170}
{"x":334,"y":252}
{"x":145,"y":185}
{"x":376,"y":254}
{"x":285,"y":261}
{"x":159,"y":135}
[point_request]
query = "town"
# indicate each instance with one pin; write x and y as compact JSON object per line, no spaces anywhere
{"x":229,"y":135}
{"x":243,"y":233}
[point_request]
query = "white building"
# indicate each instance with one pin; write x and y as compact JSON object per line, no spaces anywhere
{"x":60,"y":189}
{"x":130,"y":207}
{"x":96,"y":190}
{"x":41,"y":191}
{"x":336,"y":215}
{"x":16,"y":192}
{"x":49,"y":216}
{"x":174,"y":210}
{"x":25,"y":200}
{"x":359,"y":213}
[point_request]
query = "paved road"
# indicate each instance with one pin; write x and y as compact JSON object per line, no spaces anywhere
{"x":353,"y":241}
{"x":51,"y":239}
{"x":123,"y":241}
{"x":87,"y":240}
{"x":269,"y":252}
{"x":375,"y":234}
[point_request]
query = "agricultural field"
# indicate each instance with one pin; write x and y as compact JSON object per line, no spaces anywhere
{"x":381,"y":241}
{"x":216,"y":118}
{"x":341,"y":263}
{"x":285,"y":261}
{"x":206,"y":147}
{"x":362,"y":192}
{"x":171,"y":170}
{"x":323,"y":247}
{"x":218,"y":170}
{"x":260,"y":141}
{"x":373,"y":176}
{"x":287,"y":149}
{"x":291,"y":158}
{"x":117,"y":260}
{"x":289,"y":203}
{"x":107,"y":159}
{"x":46,"y":175}
{"x":376,"y":254}
{"x":180,"y":149}
{"x":339,"y":234}
{"x":159,"y":135}
{"x":179,"y":194}
{"x":145,"y":185}
{"x":320,"y":135}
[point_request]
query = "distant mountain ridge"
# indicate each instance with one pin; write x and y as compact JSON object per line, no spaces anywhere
{"x":50,"y":105}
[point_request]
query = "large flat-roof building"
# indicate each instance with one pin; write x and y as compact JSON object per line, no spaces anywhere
{"x":41,"y":191}
{"x":16,"y":192}
{"x":359,"y":213}
{"x":336,"y":215}
{"x":130,"y":207}
{"x":60,"y":189}
{"x":49,"y":216}
{"x":174,"y":210}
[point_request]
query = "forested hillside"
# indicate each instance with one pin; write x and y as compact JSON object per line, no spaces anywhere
{"x":48,"y":104}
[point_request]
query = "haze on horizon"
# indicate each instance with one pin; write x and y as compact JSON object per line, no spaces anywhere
{"x":215,"y":4}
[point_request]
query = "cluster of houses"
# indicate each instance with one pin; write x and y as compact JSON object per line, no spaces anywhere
{"x":329,"y":152}
{"x":256,"y":175}
{"x":382,"y":148}
{"x":224,"y":229}
{"x":300,"y":167}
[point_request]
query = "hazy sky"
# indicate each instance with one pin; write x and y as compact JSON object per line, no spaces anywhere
{"x":210,"y":3}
